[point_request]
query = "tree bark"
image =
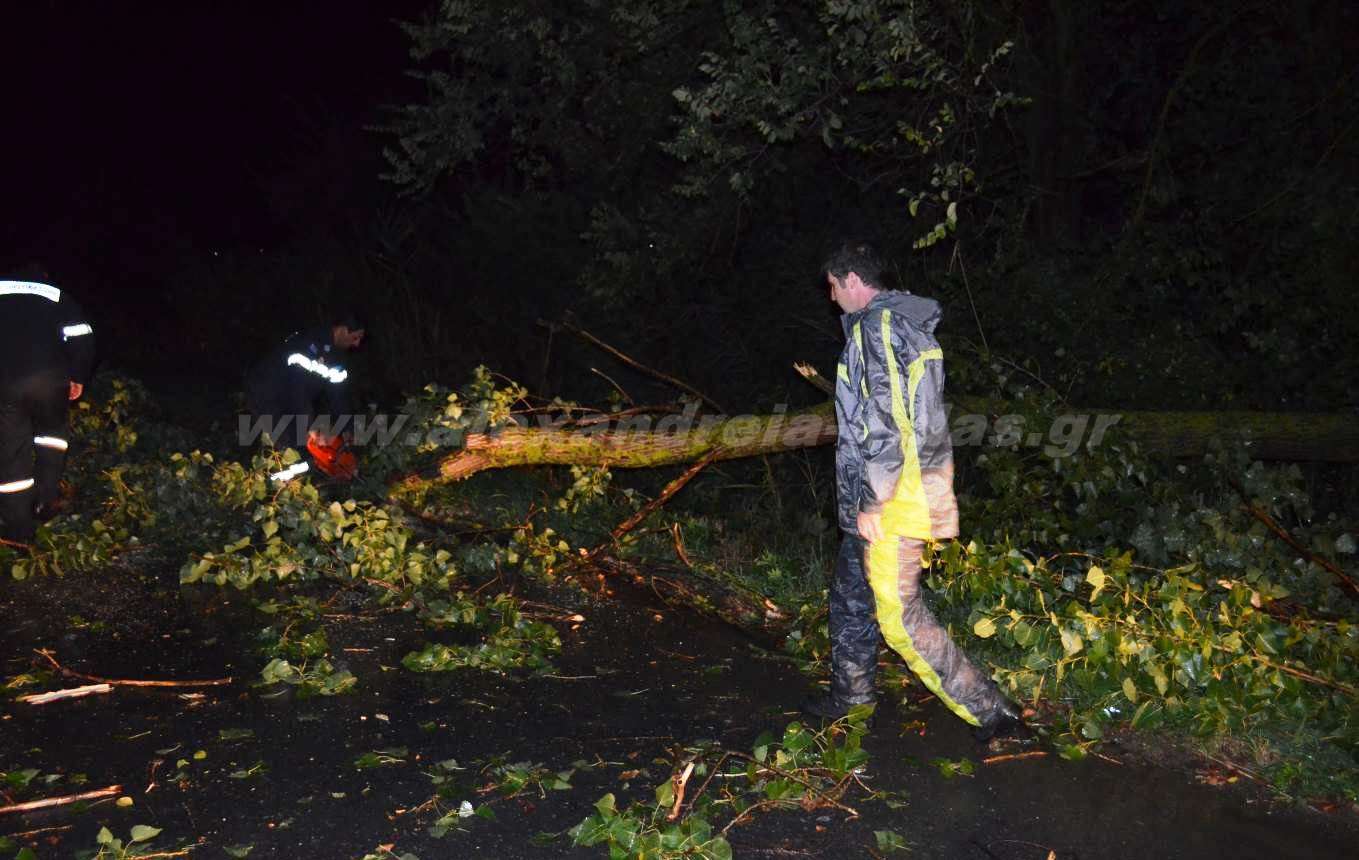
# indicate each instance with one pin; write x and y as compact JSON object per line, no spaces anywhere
{"x":687,"y":438}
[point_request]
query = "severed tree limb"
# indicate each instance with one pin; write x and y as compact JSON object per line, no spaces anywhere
{"x":210,"y":682}
{"x":70,"y":693}
{"x":65,"y":800}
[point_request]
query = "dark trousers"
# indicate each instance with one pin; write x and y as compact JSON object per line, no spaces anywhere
{"x":32,"y":447}
{"x":853,"y":627}
{"x":876,"y":591}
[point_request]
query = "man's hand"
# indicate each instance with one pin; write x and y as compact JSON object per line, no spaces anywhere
{"x":870,"y":527}
{"x":76,"y":389}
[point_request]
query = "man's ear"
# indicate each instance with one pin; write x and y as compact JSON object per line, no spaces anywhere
{"x":853,"y":281}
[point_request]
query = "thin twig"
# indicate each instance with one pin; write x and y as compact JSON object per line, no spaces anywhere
{"x":634,"y":363}
{"x":680,"y":781}
{"x":41,"y":830}
{"x":957,"y":255}
{"x":812,"y":375}
{"x":830,"y":801}
{"x":208,"y":682}
{"x":650,"y":507}
{"x":64,"y":800}
{"x":1298,"y":673}
{"x":627,"y":397}
{"x":997,"y":759}
{"x":603,"y":417}
{"x":1284,"y":535}
{"x":69,"y":693}
{"x":712,"y":773}
{"x":679,"y":545}
{"x":1161,"y":121}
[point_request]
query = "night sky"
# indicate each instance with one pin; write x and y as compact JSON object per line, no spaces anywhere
{"x":138,"y":134}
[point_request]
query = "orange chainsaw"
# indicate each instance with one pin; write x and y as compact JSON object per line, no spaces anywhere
{"x":332,"y":457}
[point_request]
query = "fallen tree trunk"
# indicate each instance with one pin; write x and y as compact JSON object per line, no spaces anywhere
{"x":634,"y":443}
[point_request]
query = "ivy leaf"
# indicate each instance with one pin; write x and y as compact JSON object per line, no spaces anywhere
{"x":1072,"y":642}
{"x":984,"y":628}
{"x":1096,"y":577}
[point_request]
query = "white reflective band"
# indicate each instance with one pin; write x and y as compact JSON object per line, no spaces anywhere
{"x":16,"y":486}
{"x":287,"y":474}
{"x":30,"y":288}
{"x":334,"y":374}
{"x":50,"y":442}
{"x":71,"y":331}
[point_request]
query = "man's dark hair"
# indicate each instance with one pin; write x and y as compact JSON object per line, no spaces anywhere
{"x":858,"y":257}
{"x":350,"y":318}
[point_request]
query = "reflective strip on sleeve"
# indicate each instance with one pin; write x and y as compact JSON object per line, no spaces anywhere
{"x":16,"y":486}
{"x":70,"y":331}
{"x":916,"y":372}
{"x":30,"y":288}
{"x":331,"y":374}
{"x":289,"y":473}
{"x":50,"y":442}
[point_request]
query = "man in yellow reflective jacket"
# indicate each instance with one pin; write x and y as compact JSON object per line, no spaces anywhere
{"x":894,"y":488}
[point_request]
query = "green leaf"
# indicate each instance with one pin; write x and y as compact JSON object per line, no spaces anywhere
{"x":1130,"y":690}
{"x":984,"y":628}
{"x":1072,"y":643}
{"x":105,"y":836}
{"x":890,"y":840}
{"x":144,"y":832}
{"x":1095,"y":576}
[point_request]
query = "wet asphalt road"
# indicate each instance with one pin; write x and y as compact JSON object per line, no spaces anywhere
{"x":633,"y":683}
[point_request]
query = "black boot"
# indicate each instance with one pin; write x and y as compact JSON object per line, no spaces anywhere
{"x":827,"y":707}
{"x":1006,"y":721}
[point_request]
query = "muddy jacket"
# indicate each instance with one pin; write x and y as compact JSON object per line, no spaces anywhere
{"x":43,"y":330}
{"x":894,"y":455}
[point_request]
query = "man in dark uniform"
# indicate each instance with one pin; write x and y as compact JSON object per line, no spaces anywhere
{"x":46,"y":356}
{"x":299,"y":393}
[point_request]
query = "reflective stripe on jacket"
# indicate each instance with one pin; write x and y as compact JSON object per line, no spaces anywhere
{"x":894,"y":455}
{"x":299,"y":376}
{"x":43,"y":329}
